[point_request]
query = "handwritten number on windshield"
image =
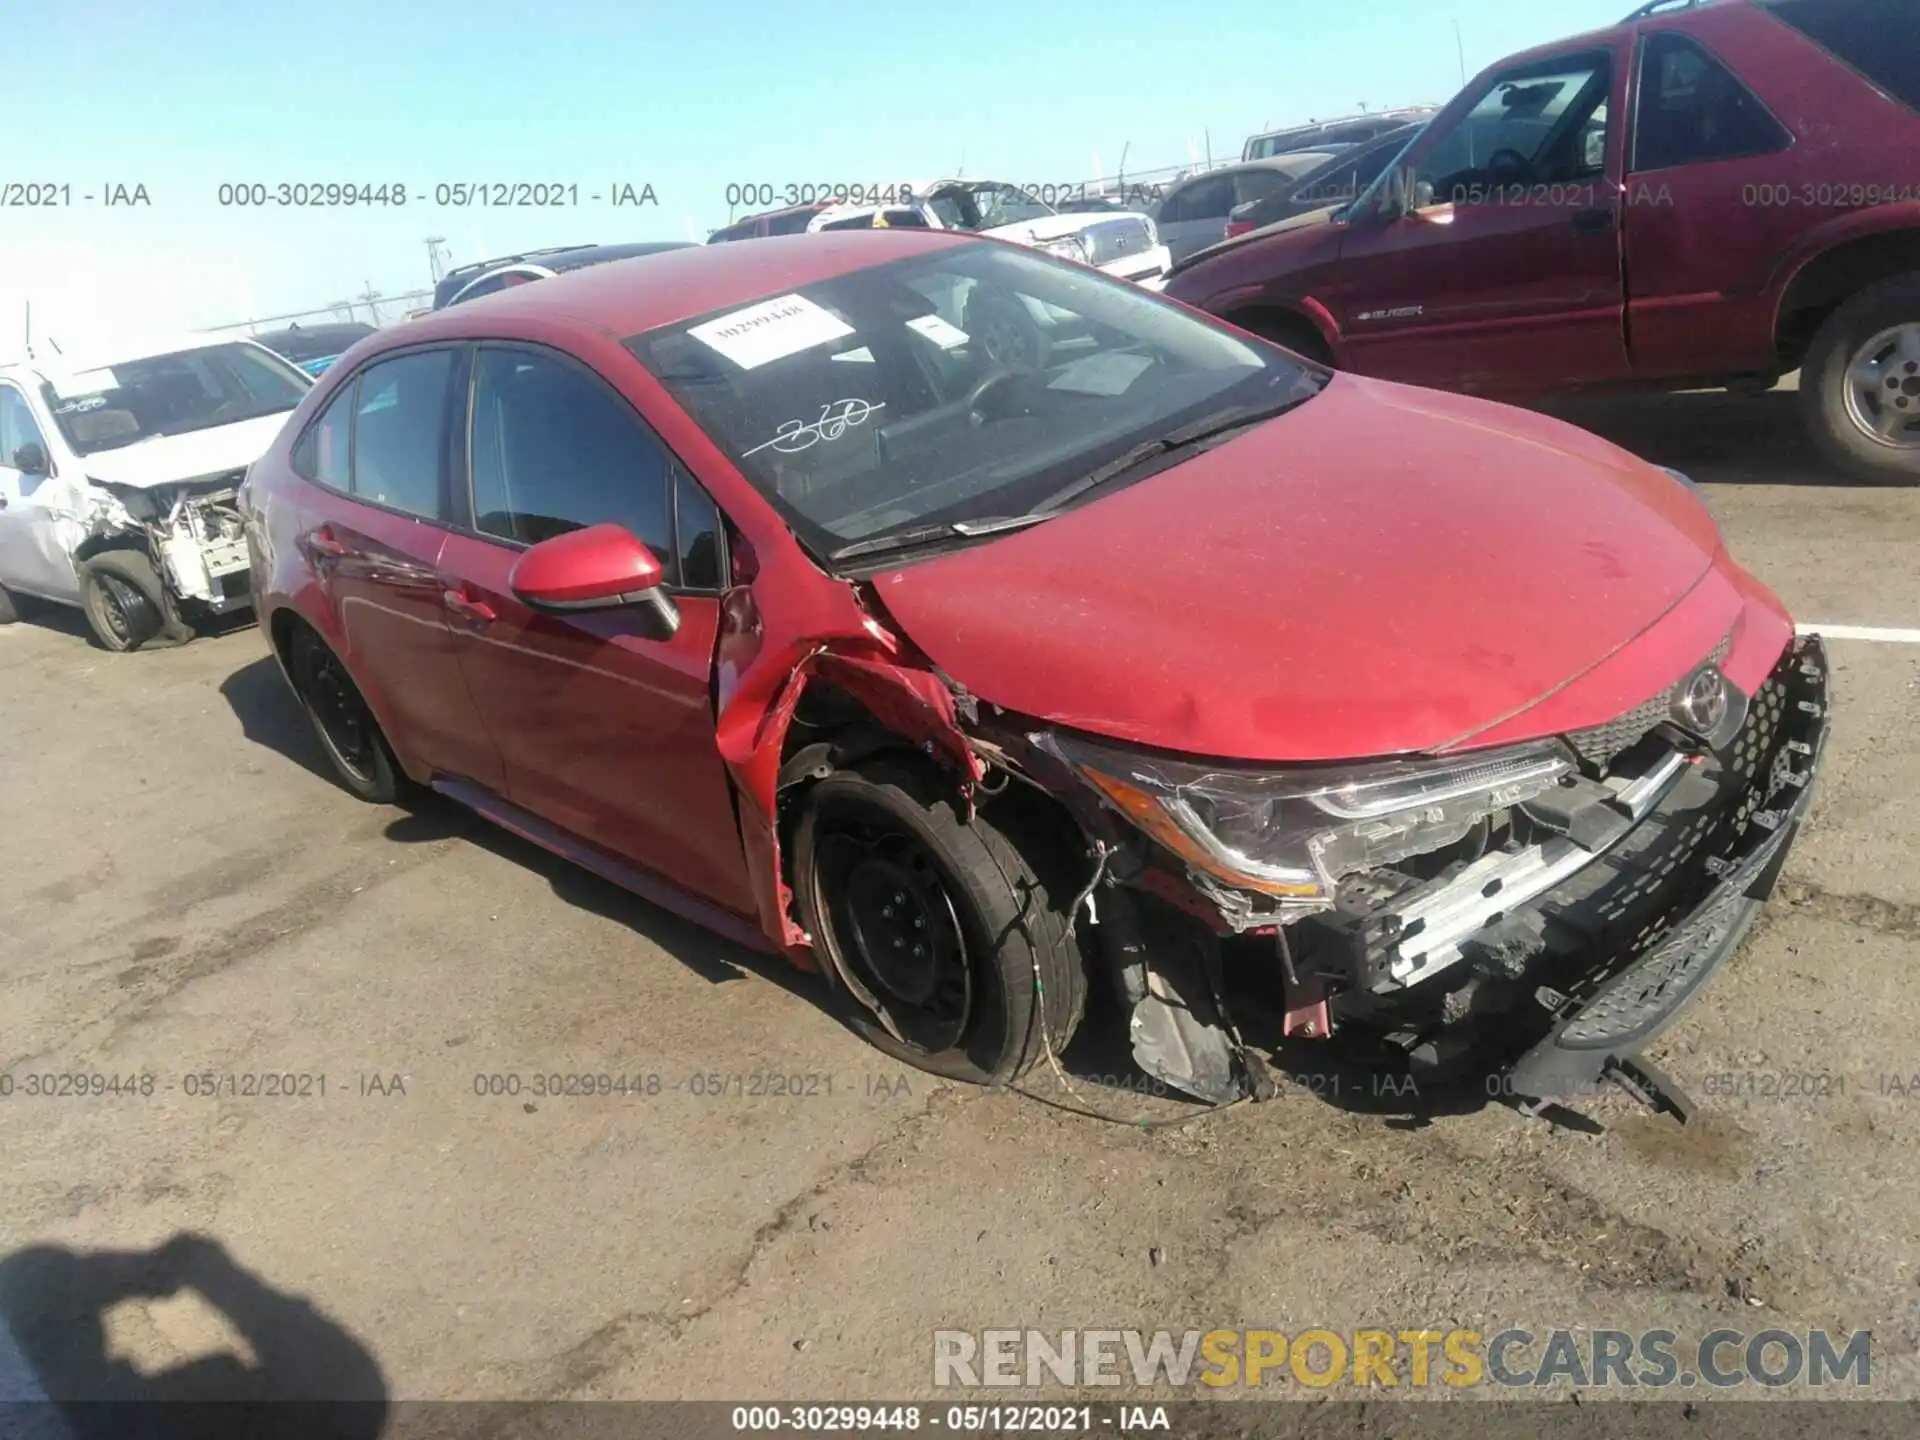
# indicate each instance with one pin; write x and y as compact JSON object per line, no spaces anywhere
{"x":794,"y":436}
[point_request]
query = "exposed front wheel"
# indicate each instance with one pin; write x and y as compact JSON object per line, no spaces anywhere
{"x":347,"y":729}
{"x":1861,"y":384}
{"x":949,"y":948}
{"x":126,"y":604}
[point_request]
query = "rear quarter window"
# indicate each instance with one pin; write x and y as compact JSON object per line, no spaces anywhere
{"x":1878,"y":38}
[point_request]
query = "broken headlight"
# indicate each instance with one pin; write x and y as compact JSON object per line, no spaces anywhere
{"x":1293,"y":833}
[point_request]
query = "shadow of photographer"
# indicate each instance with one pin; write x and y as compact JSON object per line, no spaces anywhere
{"x":307,"y":1374}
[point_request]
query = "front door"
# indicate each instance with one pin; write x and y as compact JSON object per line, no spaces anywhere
{"x":1503,"y":266}
{"x":605,"y":731}
{"x":39,"y":525}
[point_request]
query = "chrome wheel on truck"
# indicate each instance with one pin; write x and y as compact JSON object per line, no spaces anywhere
{"x":1860,"y":384}
{"x":1883,"y":387}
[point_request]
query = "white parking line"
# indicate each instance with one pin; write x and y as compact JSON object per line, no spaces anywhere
{"x":1862,"y":632}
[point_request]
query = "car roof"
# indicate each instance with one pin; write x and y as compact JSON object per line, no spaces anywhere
{"x":628,"y":297}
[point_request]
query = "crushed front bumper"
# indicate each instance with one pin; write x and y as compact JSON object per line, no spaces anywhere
{"x":1596,"y":1037}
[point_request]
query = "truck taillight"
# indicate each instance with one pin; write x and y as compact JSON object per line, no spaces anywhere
{"x":1238,"y":227}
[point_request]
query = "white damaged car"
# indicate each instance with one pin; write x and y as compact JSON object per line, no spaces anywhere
{"x":1123,"y":243}
{"x":119,"y":472}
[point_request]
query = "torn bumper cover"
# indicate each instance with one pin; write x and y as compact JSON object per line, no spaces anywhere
{"x":1597,"y":1036}
{"x":1539,"y":946}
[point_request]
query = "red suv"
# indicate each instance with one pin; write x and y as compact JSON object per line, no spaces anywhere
{"x":1708,"y":194}
{"x":763,"y":580}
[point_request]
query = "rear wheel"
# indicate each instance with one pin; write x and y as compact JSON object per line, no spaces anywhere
{"x":952,"y":953}
{"x":126,"y":605}
{"x":1860,"y":384}
{"x":341,"y":718}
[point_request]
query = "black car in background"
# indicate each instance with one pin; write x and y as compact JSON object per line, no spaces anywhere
{"x":484,"y":277}
{"x":313,"y":347}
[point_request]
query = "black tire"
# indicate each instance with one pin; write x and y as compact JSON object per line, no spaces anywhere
{"x":126,"y":605}
{"x":354,"y":743}
{"x":1838,"y":419}
{"x":994,"y":932}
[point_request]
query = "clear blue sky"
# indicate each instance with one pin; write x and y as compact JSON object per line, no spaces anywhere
{"x":181,"y":95}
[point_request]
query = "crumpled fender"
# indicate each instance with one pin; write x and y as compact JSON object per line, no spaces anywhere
{"x":761,"y":676}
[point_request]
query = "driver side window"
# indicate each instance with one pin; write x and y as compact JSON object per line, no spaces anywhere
{"x":17,"y":425}
{"x":1544,"y":125}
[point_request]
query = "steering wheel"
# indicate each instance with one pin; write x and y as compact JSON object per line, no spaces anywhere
{"x":1507,"y":166}
{"x":992,"y":381}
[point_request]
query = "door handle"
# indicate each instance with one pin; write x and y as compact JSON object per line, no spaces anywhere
{"x":467,"y":608}
{"x":1593,"y":222}
{"x":322,"y":542}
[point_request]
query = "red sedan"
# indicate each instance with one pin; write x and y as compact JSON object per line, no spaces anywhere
{"x":966,"y":625}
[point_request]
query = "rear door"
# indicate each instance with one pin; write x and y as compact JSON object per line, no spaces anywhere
{"x":606,"y":732}
{"x":1505,"y":267}
{"x":1701,"y":244}
{"x":376,"y":516}
{"x":1195,"y":215}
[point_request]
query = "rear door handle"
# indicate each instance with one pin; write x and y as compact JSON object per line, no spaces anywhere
{"x":467,"y":608}
{"x":1593,"y":222}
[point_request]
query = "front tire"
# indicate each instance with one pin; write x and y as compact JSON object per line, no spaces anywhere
{"x":1860,"y":384}
{"x":126,"y":604}
{"x":348,"y":732}
{"x":939,"y":934}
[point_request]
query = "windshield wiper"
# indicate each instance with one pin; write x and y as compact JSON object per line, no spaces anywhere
{"x":926,"y":534}
{"x":1207,"y":427}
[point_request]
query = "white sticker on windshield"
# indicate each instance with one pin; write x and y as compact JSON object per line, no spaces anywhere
{"x":862,"y":356}
{"x":82,"y":382}
{"x":770,"y":331}
{"x":1108,"y":374}
{"x":942,"y":333}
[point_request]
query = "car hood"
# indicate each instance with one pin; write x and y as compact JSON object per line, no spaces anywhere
{"x":1306,"y":220}
{"x":1383,"y":570}
{"x":169,"y":459}
{"x":1053,"y":227}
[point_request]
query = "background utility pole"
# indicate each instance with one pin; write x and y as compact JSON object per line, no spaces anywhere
{"x":1461,"y":47}
{"x":436,"y":255}
{"x":372,"y":297}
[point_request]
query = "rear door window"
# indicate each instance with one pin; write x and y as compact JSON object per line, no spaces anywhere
{"x":1692,"y":109}
{"x":400,"y":432}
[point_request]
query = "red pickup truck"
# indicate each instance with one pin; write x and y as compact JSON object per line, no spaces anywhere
{"x":1708,"y":194}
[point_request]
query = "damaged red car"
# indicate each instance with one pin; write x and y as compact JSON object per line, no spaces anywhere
{"x":973,"y":628}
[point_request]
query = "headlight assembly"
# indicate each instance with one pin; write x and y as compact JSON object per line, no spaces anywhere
{"x":1067,"y":247}
{"x":1292,"y":833}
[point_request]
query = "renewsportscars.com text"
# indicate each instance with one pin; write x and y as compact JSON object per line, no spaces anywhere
{"x":1416,"y":1358}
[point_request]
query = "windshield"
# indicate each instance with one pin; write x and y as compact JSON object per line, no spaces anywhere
{"x":134,"y":400}
{"x":986,"y":205}
{"x":966,"y":384}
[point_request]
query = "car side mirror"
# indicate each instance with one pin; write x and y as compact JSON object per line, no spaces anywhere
{"x":603,"y":567}
{"x":31,"y":459}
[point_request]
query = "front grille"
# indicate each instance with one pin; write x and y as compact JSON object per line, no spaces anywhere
{"x":1599,"y":745}
{"x":1110,"y":240}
